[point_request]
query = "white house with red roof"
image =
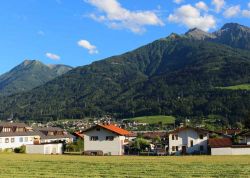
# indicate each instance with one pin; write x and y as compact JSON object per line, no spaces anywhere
{"x":105,"y":139}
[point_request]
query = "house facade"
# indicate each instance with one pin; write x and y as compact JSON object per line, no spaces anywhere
{"x":188,"y":140}
{"x":105,"y":139}
{"x":224,"y":146}
{"x":14,"y":135}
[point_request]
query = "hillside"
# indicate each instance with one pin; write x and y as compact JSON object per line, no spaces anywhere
{"x":178,"y":75}
{"x":28,"y":75}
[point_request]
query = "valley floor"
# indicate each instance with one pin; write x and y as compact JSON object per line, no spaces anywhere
{"x":22,"y":165}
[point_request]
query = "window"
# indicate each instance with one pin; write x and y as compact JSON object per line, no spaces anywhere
{"x":19,"y":129}
{"x":173,"y":148}
{"x":26,"y":139}
{"x":176,"y":137}
{"x":98,"y":129}
{"x":110,"y":138}
{"x":12,"y":140}
{"x":21,"y":139}
{"x":93,"y":138}
{"x":201,"y":136}
{"x":177,"y":148}
{"x":1,"y":140}
{"x":7,"y":140}
{"x":172,"y":137}
{"x":191,"y":143}
{"x":201,"y":148}
{"x":6,"y":129}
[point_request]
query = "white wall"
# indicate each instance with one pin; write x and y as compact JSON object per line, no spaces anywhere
{"x":114,"y":147}
{"x":184,"y":138}
{"x":45,"y":149}
{"x":68,"y":140}
{"x":221,"y":151}
{"x":230,"y":151}
{"x":16,"y":142}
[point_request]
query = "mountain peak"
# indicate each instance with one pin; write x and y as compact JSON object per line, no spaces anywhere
{"x":235,"y":26}
{"x":29,"y":62}
{"x":198,"y":34}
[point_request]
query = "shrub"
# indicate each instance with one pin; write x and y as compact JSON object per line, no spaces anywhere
{"x":20,"y":149}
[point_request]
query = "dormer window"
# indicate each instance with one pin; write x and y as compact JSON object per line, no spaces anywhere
{"x":19,"y":129}
{"x":50,"y":133}
{"x":6,"y":129}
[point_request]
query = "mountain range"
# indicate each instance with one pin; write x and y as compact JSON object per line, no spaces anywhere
{"x":28,"y":75}
{"x":180,"y":75}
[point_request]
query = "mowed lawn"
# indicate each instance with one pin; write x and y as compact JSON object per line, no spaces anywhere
{"x":155,"y":119}
{"x":21,"y":165}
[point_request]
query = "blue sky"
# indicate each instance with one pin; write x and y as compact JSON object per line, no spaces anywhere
{"x":78,"y":32}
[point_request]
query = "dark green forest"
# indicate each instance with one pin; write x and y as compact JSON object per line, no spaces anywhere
{"x":177,"y":76}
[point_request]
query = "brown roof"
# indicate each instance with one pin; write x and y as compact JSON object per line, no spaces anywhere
{"x":219,"y":142}
{"x":188,"y":127}
{"x":155,"y":134}
{"x":9,"y":124}
{"x":244,"y":133}
{"x":111,"y":128}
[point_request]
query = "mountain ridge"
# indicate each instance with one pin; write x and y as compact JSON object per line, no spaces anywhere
{"x":176,"y":76}
{"x":28,"y":75}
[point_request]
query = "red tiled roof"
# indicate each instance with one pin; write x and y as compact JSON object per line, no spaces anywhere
{"x":115,"y":129}
{"x":79,"y":134}
{"x":220,"y":142}
{"x":111,"y":128}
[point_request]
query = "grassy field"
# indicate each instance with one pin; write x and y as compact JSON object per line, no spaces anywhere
{"x":18,"y":165}
{"x":237,"y":87}
{"x":155,"y":119}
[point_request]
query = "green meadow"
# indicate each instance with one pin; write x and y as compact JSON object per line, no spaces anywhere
{"x":155,"y":119}
{"x":22,"y":165}
{"x":237,"y":87}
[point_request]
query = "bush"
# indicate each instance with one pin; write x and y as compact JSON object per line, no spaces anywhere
{"x":20,"y":149}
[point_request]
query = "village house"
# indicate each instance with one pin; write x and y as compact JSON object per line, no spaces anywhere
{"x":225,"y":146}
{"x":54,"y":134}
{"x":14,"y":135}
{"x":105,"y":139}
{"x":244,"y":138}
{"x":188,"y":140}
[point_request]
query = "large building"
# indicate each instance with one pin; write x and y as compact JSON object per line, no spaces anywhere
{"x":188,"y":140}
{"x":105,"y":139}
{"x":13,"y":135}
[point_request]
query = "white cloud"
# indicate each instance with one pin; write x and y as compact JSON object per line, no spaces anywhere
{"x":178,"y":1}
{"x":86,"y":44}
{"x":248,"y":5}
{"x":232,"y":11}
{"x":246,"y":13}
{"x":115,"y":16}
{"x":53,"y":56}
{"x":41,"y":33}
{"x":219,"y":4}
{"x":201,"y":5}
{"x":191,"y":17}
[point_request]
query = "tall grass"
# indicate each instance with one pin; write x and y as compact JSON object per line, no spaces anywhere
{"x":21,"y":165}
